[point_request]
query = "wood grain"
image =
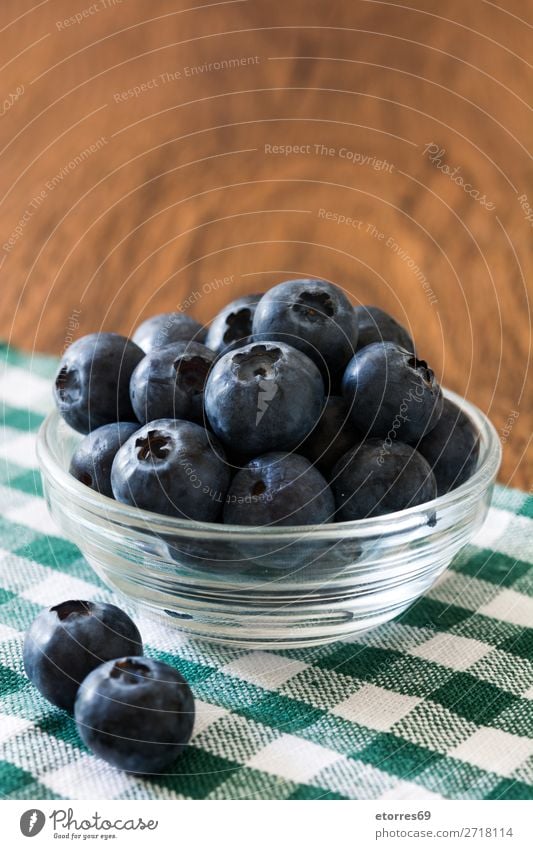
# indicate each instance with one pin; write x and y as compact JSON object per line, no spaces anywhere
{"x":139,"y":171}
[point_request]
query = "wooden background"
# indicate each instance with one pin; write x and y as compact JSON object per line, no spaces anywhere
{"x":183,"y":204}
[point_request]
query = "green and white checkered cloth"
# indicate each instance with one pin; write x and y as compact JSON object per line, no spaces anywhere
{"x":437,"y":704}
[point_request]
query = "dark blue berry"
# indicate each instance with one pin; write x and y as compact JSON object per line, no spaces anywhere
{"x":166,"y":328}
{"x":232,"y":326}
{"x":373,"y":479}
{"x":452,"y":448}
{"x":91,"y":388}
{"x":169,"y":382}
{"x":391,"y":393}
{"x":263,"y":397}
{"x":279,"y":489}
{"x":68,"y":641}
{"x":312,"y":315}
{"x":92,"y":460}
{"x":135,"y":713}
{"x":376,"y":325}
{"x":172,"y":467}
{"x":332,"y":437}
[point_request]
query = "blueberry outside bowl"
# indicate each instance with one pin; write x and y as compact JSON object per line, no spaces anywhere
{"x":267,"y":587}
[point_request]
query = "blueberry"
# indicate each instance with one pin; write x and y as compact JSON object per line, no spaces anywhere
{"x":166,"y":328}
{"x":376,"y":325}
{"x":91,"y":388}
{"x":451,"y":449}
{"x":332,"y":437}
{"x":232,"y":326}
{"x":263,"y":397}
{"x":135,"y":713}
{"x":92,"y":460}
{"x":391,"y":393}
{"x":373,"y":479}
{"x":279,"y":489}
{"x":312,"y":315}
{"x":172,"y":467}
{"x":169,"y":382}
{"x":68,"y":641}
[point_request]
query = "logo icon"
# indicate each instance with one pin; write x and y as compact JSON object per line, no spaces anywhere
{"x":267,"y":389}
{"x":32,"y":822}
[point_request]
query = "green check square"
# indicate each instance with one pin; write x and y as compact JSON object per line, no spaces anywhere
{"x":507,"y":788}
{"x":397,"y":756}
{"x":478,"y":701}
{"x":195,"y":774}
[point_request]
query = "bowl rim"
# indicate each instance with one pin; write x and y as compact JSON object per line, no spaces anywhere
{"x":401,"y":520}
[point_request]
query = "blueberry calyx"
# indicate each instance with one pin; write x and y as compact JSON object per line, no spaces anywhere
{"x":420,"y":366}
{"x":72,"y":608}
{"x":129,"y":670}
{"x":257,"y":362}
{"x":191,"y":374}
{"x":313,"y":306}
{"x":259,"y":488}
{"x":238,"y":325}
{"x":68,"y":385}
{"x":154,"y":446}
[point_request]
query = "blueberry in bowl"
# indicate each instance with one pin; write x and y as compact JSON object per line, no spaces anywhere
{"x":172,"y":467}
{"x":332,"y":436}
{"x":451,"y":448}
{"x":93,"y":458}
{"x":232,"y":326}
{"x":376,"y":325}
{"x":312,"y":315}
{"x":166,"y":328}
{"x":266,"y":396}
{"x":391,"y":393}
{"x":169,"y":382}
{"x":92,"y":383}
{"x":279,"y":489}
{"x":372,"y":479}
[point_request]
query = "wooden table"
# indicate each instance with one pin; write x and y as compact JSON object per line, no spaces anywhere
{"x":157,"y":156}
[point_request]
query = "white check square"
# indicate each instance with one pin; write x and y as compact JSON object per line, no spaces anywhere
{"x":264,"y":669}
{"x":293,"y":758}
{"x":59,"y":587}
{"x":450,"y":650}
{"x":511,"y":607}
{"x":375,"y":707}
{"x":494,"y":750}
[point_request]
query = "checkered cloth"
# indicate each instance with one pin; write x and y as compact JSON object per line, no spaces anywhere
{"x":438,"y":703}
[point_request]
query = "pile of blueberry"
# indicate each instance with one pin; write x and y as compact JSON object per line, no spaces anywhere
{"x":87,"y":658}
{"x":292,"y":408}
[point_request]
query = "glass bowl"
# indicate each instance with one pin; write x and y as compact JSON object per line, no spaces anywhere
{"x":267,"y":587}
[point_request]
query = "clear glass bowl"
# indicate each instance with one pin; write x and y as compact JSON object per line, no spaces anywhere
{"x":267,"y":587}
